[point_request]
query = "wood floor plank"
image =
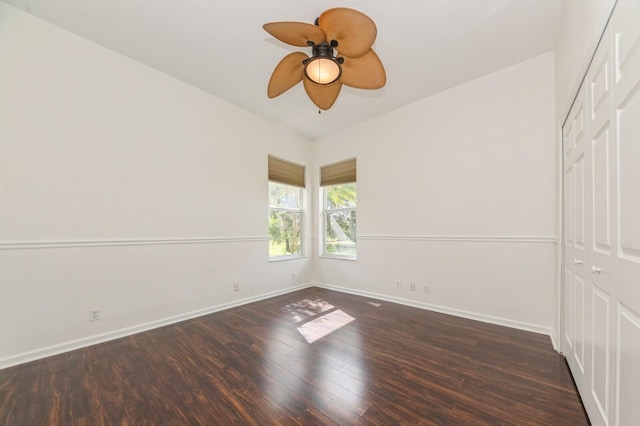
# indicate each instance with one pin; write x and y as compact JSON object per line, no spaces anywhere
{"x":250,"y":365}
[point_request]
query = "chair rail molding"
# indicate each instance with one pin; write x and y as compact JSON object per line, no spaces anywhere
{"x":21,"y":245}
{"x":545,"y":239}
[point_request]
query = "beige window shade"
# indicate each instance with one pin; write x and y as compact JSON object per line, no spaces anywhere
{"x":282,"y":171}
{"x":335,"y":174}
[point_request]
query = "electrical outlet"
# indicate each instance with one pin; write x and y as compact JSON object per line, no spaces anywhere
{"x":426,"y":288}
{"x":236,"y":286}
{"x":412,"y":286}
{"x":94,"y":314}
{"x":398,"y":284}
{"x":293,"y":275}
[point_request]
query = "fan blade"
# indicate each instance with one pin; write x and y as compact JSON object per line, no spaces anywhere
{"x":287,"y":74}
{"x":354,"y":31}
{"x":323,"y":95}
{"x":365,"y":72}
{"x":295,"y":33}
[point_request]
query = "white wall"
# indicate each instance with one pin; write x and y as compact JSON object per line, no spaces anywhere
{"x":582,"y":24}
{"x":124,"y":189}
{"x":458,"y":191}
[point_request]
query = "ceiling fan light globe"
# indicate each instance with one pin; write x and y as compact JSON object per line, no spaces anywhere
{"x":323,"y":70}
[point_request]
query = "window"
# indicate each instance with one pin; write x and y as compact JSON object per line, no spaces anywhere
{"x":285,"y":219}
{"x":286,"y":183}
{"x":339,"y":191}
{"x":340,"y":220}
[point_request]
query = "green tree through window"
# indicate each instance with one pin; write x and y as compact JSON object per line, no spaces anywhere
{"x":285,"y":220}
{"x":340,"y":203}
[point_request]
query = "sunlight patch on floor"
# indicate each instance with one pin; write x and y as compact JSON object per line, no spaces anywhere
{"x":324,"y":325}
{"x":305,"y":309}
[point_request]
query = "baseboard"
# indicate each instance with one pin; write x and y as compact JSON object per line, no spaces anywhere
{"x":554,"y":340}
{"x":128,"y":331}
{"x":444,"y":310}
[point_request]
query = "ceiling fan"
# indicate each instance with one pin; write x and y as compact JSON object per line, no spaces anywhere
{"x":349,"y":32}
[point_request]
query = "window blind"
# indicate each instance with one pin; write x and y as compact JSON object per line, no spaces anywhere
{"x":282,"y":171}
{"x":337,"y":173}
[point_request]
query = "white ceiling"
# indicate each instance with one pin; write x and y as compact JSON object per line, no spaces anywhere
{"x":219,"y":46}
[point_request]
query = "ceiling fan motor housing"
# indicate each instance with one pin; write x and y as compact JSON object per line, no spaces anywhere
{"x":323,"y":67}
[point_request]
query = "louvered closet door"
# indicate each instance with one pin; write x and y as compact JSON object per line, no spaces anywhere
{"x":626,"y":103}
{"x":575,"y":286}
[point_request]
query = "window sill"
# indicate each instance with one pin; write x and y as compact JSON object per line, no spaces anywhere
{"x":333,"y":256}
{"x":283,"y":258}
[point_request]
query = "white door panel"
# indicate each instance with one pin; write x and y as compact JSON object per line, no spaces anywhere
{"x":579,"y":122}
{"x":568,"y":310}
{"x":601,"y":355}
{"x":601,"y":192}
{"x":568,"y":208}
{"x":567,"y":140}
{"x":579,"y":323}
{"x":628,"y":126}
{"x":578,"y":203}
{"x":627,"y":407}
{"x":626,"y":94}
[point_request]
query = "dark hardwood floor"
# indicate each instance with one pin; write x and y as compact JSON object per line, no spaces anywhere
{"x":250,"y":365}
